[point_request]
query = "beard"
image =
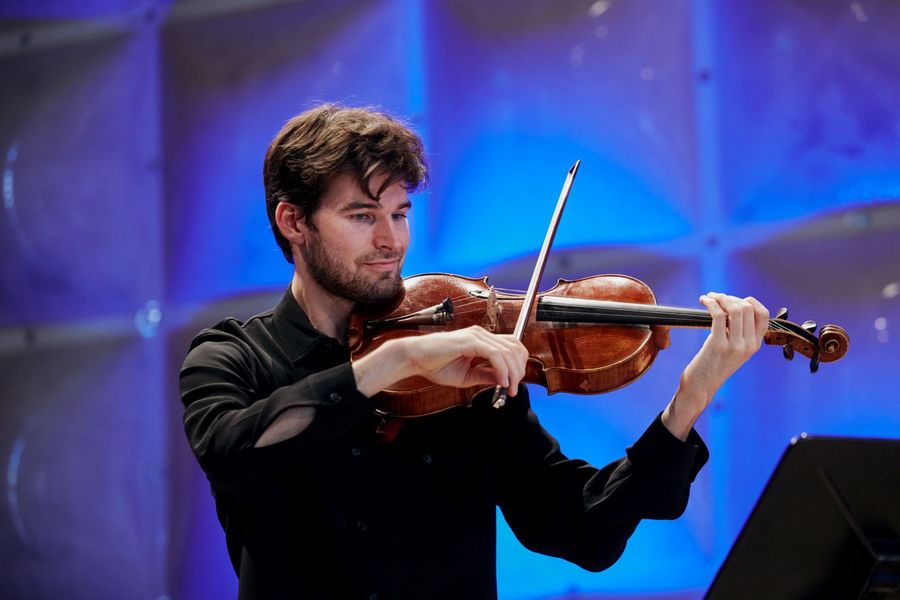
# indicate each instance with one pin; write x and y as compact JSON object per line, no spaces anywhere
{"x":335,"y":278}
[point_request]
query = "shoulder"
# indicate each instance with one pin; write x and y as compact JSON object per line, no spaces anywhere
{"x":233,"y":328}
{"x":232,"y":340}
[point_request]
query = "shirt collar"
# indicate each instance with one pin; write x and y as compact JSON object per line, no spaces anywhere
{"x":293,"y":328}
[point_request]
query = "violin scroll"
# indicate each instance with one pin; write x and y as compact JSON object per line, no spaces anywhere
{"x":833,"y":341}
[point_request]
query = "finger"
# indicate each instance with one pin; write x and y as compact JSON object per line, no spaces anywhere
{"x":718,"y":330}
{"x":760,"y":319}
{"x":505,"y":351}
{"x":735,"y":320}
{"x":481,"y":374}
{"x":744,"y":312}
{"x":748,"y":319}
{"x":513,"y":343}
{"x":518,"y":359}
{"x":498,"y":362}
{"x":749,"y":315}
{"x":515,"y":365}
{"x":505,"y":341}
{"x":512,"y":352}
{"x":478,"y":343}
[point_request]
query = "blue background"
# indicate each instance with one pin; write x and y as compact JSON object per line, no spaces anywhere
{"x":752,"y":148}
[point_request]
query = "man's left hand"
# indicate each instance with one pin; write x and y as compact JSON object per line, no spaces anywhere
{"x":738,"y":327}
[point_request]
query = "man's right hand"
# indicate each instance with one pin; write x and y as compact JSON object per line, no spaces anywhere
{"x":461,"y":358}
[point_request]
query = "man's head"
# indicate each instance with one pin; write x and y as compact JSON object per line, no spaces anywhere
{"x":318,"y":145}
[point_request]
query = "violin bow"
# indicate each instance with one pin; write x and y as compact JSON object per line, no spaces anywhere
{"x":500,"y":393}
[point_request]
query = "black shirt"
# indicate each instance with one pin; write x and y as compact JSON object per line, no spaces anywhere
{"x":337,"y":512}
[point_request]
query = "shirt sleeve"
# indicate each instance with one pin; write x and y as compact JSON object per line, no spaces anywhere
{"x":230,"y":400}
{"x":567,"y":508}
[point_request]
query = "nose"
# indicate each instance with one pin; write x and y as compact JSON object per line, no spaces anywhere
{"x":386,"y":235}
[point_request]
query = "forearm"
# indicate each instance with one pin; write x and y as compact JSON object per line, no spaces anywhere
{"x":291,"y":422}
{"x":234,"y":423}
{"x":372,"y":373}
{"x":565,"y":508}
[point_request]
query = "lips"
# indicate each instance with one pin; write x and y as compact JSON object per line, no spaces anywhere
{"x":382,"y":262}
{"x":383,"y":265}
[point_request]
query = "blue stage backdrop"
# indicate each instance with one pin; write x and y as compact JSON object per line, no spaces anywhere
{"x":749,"y":147}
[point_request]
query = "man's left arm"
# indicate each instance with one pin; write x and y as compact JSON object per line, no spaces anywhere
{"x":569,"y":509}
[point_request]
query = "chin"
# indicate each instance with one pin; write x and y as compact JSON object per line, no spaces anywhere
{"x":385,"y":288}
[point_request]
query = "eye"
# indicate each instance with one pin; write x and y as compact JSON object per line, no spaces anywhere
{"x":362,"y":217}
{"x":399,"y":216}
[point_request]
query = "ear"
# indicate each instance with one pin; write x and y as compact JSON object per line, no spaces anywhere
{"x":290,"y":223}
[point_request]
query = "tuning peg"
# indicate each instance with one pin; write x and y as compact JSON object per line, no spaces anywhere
{"x":814,"y":363}
{"x":782,"y":313}
{"x":788,"y":351}
{"x":809,"y":326}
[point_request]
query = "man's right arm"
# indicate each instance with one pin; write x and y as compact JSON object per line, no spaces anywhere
{"x":462,"y":358}
{"x":232,"y":395}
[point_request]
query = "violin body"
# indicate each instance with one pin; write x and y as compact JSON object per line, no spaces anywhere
{"x":575,"y":357}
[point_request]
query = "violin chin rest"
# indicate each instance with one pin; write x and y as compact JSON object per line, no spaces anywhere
{"x":661,"y":336}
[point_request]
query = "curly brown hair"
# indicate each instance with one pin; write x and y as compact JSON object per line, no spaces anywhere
{"x":321,"y":143}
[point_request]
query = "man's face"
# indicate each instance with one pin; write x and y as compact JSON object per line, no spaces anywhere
{"x":357,"y":245}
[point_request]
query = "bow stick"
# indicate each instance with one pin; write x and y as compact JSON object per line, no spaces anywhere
{"x":500,"y":393}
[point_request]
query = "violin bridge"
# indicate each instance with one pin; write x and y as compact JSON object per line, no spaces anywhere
{"x":493,"y":311}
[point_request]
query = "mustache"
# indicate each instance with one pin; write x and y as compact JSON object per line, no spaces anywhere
{"x":380,"y":256}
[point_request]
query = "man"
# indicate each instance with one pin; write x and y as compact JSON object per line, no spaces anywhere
{"x":315,"y":502}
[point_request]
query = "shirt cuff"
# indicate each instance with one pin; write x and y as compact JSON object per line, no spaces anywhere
{"x":663,"y":455}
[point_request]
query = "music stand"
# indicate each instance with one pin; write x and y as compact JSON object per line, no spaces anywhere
{"x":827,"y":525}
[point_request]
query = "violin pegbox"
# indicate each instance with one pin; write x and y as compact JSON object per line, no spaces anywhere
{"x":831,"y":344}
{"x":788,"y":351}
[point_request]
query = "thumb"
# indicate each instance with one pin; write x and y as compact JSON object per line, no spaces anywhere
{"x":482,"y":375}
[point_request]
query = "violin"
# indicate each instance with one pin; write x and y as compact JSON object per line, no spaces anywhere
{"x":586,"y":336}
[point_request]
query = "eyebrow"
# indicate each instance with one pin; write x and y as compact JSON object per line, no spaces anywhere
{"x":371,"y":204}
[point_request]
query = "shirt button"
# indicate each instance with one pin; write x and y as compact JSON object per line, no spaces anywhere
{"x":426,"y":458}
{"x":355,"y":451}
{"x":361,"y":526}
{"x":335,"y":397}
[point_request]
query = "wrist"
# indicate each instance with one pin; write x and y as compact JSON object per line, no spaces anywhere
{"x":684,"y":409}
{"x":399,"y":354}
{"x":382,"y":367}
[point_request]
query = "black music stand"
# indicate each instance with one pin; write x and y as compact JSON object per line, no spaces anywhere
{"x":826,"y":526}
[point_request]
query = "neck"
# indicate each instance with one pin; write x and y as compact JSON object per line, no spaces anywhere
{"x":328,"y":313}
